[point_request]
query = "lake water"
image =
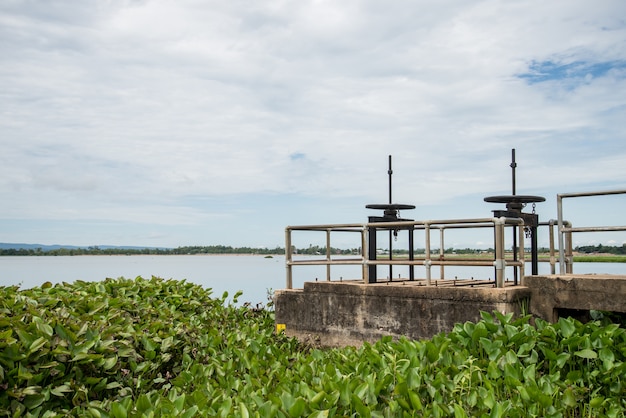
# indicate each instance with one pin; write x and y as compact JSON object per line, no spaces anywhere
{"x":254,"y":275}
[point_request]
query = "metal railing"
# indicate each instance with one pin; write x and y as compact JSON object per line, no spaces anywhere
{"x":499,"y":262}
{"x":565,"y":230}
{"x":552,"y":224}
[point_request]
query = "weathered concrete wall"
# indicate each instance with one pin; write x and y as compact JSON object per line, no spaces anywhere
{"x":581,"y":292}
{"x":348,"y":313}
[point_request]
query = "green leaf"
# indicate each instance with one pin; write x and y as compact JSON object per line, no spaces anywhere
{"x":416,"y":403}
{"x":167,"y":343}
{"x":34,"y":401}
{"x":587,"y":353}
{"x":24,"y":373}
{"x":143,"y":403}
{"x":193,"y":411}
{"x":487,"y":317}
{"x":109,"y":363}
{"x":567,"y":327}
{"x":118,"y":410}
{"x":596,"y":402}
{"x":529,"y":373}
{"x":561,"y":359}
{"x":319,"y":414}
{"x":608,"y":358}
{"x":568,"y":398}
{"x":45,"y":329}
{"x":37,"y":344}
{"x":297,"y":408}
{"x":360,"y":407}
{"x":244,"y":410}
{"x":317,"y":399}
{"x":61,"y":390}
{"x":459,"y":412}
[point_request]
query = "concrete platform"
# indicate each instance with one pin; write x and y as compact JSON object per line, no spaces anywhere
{"x":553,"y":295}
{"x":351,"y":312}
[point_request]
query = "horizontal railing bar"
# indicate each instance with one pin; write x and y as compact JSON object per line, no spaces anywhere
{"x":434,"y":223}
{"x":325,"y":262}
{"x":485,"y":263}
{"x":595,"y":229}
{"x":585,"y":194}
{"x":331,"y":227}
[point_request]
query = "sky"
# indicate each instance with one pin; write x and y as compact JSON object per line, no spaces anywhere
{"x":168,"y":123}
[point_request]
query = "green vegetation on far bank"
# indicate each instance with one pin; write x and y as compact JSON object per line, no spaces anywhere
{"x":95,"y":250}
{"x":600,"y":258}
{"x":126,"y":348}
{"x":598,"y":253}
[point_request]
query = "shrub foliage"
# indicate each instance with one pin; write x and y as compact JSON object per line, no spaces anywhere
{"x":135,"y":348}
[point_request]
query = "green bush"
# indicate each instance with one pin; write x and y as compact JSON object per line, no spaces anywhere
{"x":160,"y":348}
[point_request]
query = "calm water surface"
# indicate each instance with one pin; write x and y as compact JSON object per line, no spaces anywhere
{"x":254,"y":275}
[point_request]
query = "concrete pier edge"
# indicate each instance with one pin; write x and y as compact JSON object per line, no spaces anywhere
{"x":351,"y":312}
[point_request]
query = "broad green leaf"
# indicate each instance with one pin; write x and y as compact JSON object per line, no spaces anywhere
{"x":297,"y":408}
{"x":109,"y":363}
{"x":569,"y":399}
{"x":45,"y":329}
{"x":561,"y":359}
{"x":587,"y":353}
{"x":24,"y":373}
{"x":61,"y":390}
{"x":596,"y":402}
{"x":34,"y":401}
{"x":143,"y":403}
{"x":567,"y":327}
{"x":118,"y":410}
{"x":317,"y":399}
{"x":37,"y":344}
{"x":459,"y":412}
{"x":319,"y":414}
{"x":416,"y":403}
{"x":608,"y":358}
{"x":193,"y":411}
{"x":167,"y":343}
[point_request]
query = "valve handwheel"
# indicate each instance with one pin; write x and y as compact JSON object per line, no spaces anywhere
{"x":516,"y":201}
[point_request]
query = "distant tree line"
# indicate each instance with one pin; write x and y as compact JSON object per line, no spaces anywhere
{"x":226,"y":249}
{"x":211,"y":249}
{"x":606,"y":249}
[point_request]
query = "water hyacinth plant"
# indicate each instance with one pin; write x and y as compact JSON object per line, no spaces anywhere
{"x":142,"y":348}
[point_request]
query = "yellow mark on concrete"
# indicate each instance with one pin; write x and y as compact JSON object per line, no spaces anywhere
{"x":280,"y":328}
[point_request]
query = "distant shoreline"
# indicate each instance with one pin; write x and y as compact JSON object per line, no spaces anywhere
{"x":580,"y":258}
{"x":146,"y":255}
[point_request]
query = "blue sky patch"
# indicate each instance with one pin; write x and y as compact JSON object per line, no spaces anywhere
{"x":297,"y":156}
{"x":540,"y":71}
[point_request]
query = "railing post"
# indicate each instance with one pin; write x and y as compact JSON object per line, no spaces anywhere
{"x":521,"y":255}
{"x":427,"y":261}
{"x":552,"y":257}
{"x":364,"y":268}
{"x":569,"y":253}
{"x":328,"y":254}
{"x":441,"y":253}
{"x":559,"y":209}
{"x":288,"y":255}
{"x":499,"y":262}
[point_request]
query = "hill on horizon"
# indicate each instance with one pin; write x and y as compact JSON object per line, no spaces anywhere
{"x":44,"y":248}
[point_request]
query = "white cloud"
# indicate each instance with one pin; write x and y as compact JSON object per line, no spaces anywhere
{"x":154,"y":101}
